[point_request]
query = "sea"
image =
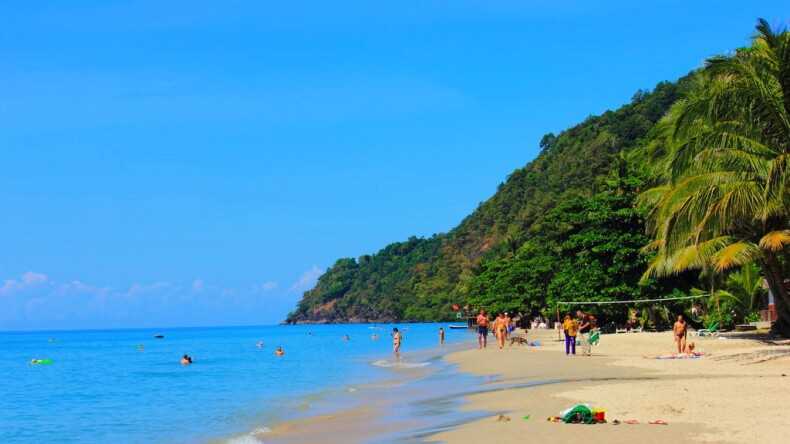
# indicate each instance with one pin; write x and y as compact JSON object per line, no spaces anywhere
{"x":127,"y":386}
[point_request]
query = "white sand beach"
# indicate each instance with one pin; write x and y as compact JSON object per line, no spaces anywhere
{"x":737,"y":392}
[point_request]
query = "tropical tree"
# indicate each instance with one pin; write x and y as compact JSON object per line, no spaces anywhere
{"x":726,"y":201}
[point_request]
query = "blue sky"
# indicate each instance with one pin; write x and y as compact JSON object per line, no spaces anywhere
{"x":200,"y":163}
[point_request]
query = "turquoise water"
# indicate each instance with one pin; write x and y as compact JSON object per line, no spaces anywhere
{"x":101,"y":388}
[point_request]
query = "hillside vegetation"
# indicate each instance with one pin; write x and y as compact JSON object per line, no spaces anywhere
{"x":421,"y":278}
{"x":683,"y":191}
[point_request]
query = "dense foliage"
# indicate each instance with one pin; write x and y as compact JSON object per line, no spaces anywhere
{"x":725,"y":202}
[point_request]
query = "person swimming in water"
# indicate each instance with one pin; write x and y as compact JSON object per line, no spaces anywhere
{"x":186,"y":360}
{"x":346,"y":338}
{"x":279,"y":351}
{"x":259,"y":344}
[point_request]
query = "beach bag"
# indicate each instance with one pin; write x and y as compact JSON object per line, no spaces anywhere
{"x":578,"y":414}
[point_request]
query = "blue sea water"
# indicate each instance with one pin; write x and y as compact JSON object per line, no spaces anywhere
{"x":102,"y":388}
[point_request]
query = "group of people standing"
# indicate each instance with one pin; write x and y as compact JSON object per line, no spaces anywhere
{"x":583,"y":324}
{"x":502,"y":326}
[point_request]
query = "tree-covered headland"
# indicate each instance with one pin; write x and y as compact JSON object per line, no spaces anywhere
{"x":682,"y":191}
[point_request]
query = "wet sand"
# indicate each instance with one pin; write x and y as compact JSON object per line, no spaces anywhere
{"x":735,"y":393}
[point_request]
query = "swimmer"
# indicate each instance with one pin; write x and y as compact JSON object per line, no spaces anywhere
{"x":346,"y":338}
{"x":140,"y":347}
{"x":186,"y":360}
{"x":259,"y":344}
{"x":374,"y":337}
{"x":279,"y":351}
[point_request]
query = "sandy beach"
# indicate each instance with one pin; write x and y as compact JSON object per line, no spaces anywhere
{"x":736,"y":392}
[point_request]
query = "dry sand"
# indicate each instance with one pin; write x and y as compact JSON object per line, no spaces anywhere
{"x":735,"y":393}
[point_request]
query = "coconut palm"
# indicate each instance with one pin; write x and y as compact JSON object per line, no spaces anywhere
{"x":726,"y":200}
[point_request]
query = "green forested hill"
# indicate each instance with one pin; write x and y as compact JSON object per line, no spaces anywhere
{"x":421,"y":278}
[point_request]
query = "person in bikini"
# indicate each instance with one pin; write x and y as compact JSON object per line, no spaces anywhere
{"x":482,"y":330}
{"x":396,"y":338}
{"x":680,"y":330}
{"x":500,"y":329}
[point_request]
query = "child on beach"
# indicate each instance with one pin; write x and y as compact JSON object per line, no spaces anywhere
{"x":570,"y":326}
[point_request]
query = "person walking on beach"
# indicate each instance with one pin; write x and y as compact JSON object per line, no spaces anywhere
{"x":585,"y":329}
{"x":482,"y":330}
{"x":570,"y":327}
{"x":680,"y":330}
{"x":506,"y":319}
{"x":500,"y":329}
{"x":441,"y":336}
{"x":396,"y":338}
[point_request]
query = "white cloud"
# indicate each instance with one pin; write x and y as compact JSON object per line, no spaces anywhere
{"x":33,"y":300}
{"x":28,"y":280}
{"x":307,"y":280}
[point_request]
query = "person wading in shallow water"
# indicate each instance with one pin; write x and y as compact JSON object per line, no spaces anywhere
{"x":482,"y":330}
{"x":441,"y":336}
{"x":396,"y":338}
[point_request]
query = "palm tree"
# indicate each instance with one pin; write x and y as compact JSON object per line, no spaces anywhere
{"x":726,"y":201}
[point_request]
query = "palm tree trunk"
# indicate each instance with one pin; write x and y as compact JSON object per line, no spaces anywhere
{"x":775,"y":277}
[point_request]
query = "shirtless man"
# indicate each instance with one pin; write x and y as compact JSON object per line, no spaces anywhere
{"x":680,"y":329}
{"x":482,"y":330}
{"x":396,"y":338}
{"x":507,"y":325}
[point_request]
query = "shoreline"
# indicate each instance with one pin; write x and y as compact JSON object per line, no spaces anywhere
{"x":735,"y":393}
{"x":396,"y":407}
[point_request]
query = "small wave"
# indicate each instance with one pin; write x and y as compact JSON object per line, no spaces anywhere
{"x":395,"y":364}
{"x":253,"y":437}
{"x":245,"y":439}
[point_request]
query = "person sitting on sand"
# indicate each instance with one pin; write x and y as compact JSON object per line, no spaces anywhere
{"x":680,"y":329}
{"x":279,"y":351}
{"x":482,"y":330}
{"x":186,"y":360}
{"x":570,"y":327}
{"x":441,"y":336}
{"x":396,"y":338}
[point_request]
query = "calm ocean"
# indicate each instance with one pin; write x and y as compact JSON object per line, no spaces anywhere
{"x":102,"y":388}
